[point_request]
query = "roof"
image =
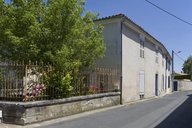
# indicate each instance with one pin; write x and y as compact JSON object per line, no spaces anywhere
{"x":129,"y":20}
{"x":182,"y":77}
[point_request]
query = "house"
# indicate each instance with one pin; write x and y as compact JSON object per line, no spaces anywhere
{"x":141,"y":62}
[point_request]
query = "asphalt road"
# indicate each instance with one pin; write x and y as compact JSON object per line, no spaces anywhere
{"x":170,"y":111}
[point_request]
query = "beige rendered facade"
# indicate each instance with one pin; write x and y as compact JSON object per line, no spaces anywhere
{"x":142,"y":61}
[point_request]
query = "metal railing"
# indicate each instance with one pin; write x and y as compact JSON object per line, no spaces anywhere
{"x":19,"y":80}
{"x":26,"y":82}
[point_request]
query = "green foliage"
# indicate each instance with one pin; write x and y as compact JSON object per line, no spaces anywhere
{"x":187,"y":66}
{"x":56,"y":32}
{"x":60,"y":85}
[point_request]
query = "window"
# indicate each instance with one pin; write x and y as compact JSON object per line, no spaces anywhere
{"x":102,"y":82}
{"x":163,"y":87}
{"x":168,"y":65}
{"x":86,"y":80}
{"x":156,"y":58}
{"x":142,"y":45}
{"x":165,"y":83}
{"x":163,"y":60}
{"x":169,"y":81}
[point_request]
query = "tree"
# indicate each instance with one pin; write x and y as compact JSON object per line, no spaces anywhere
{"x":187,"y":66}
{"x":55,"y":31}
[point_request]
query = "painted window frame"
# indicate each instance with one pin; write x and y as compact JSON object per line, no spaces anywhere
{"x":142,"y":46}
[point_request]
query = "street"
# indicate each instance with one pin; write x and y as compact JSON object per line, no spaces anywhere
{"x":170,"y":111}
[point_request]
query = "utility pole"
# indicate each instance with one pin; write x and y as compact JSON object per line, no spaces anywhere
{"x":172,"y":63}
{"x":173,"y":53}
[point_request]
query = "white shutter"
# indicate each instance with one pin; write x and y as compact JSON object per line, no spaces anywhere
{"x":141,"y":83}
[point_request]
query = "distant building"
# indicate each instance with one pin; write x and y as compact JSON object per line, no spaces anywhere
{"x":140,"y":60}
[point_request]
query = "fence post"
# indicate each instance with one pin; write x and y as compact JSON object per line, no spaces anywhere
{"x":1,"y":116}
{"x":25,"y":84}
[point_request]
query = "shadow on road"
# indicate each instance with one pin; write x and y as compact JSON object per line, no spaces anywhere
{"x":180,"y":118}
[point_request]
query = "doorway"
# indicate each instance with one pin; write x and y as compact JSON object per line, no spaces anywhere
{"x":175,"y":86}
{"x":156,"y":84}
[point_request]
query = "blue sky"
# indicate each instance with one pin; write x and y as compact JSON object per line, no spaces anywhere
{"x":174,"y":34}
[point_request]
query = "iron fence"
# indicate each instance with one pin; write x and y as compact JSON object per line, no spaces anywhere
{"x":27,"y":82}
{"x":18,"y":81}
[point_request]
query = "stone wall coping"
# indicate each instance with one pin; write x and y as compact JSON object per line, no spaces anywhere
{"x":186,"y":81}
{"x":31,"y":104}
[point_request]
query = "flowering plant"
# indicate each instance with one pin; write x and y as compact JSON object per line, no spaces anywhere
{"x":35,"y":91}
{"x":38,"y":89}
{"x":93,"y":89}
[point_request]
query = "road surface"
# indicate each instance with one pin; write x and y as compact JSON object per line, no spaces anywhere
{"x":170,"y":111}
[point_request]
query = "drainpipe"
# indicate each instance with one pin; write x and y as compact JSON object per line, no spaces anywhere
{"x":121,"y":77}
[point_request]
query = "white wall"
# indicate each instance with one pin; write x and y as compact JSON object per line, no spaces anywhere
{"x":185,"y":85}
{"x":112,"y":39}
{"x":132,"y":64}
{"x":112,"y":58}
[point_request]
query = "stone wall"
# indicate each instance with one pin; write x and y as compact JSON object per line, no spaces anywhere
{"x":30,"y":112}
{"x":185,"y":85}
